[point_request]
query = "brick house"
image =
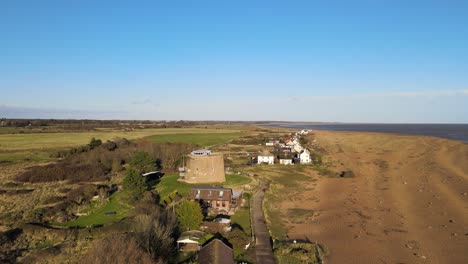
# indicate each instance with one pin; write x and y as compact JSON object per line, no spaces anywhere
{"x":217,"y":199}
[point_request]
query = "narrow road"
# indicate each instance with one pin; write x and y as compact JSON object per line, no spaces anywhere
{"x":263,"y":247}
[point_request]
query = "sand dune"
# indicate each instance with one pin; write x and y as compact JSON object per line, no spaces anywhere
{"x":408,"y":202}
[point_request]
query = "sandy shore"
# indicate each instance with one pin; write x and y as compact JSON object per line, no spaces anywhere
{"x":408,"y":202}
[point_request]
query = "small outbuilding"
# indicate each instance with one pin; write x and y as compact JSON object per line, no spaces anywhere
{"x":190,"y":241}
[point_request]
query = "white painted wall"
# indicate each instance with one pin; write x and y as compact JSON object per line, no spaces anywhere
{"x":305,"y":157}
{"x":266,"y":159}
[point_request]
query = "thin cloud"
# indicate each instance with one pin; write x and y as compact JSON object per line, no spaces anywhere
{"x":142,"y":102}
{"x":434,"y":93}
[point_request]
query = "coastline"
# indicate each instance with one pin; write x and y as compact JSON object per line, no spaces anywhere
{"x":458,"y":132}
{"x":407,"y":203}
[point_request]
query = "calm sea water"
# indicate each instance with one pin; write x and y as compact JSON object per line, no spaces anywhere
{"x":449,"y":131}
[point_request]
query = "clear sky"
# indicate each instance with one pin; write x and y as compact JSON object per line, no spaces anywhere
{"x":349,"y":61}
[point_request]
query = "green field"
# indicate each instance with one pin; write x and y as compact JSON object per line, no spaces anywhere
{"x":204,"y":140}
{"x":116,"y":204}
{"x":17,"y":148}
{"x":61,"y":140}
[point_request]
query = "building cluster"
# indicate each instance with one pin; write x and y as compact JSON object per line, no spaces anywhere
{"x":288,"y":151}
{"x":218,"y":201}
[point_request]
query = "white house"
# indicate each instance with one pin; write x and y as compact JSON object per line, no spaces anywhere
{"x":290,"y":143}
{"x":270,"y":144}
{"x":266,"y":158}
{"x":286,"y":161}
{"x":305,"y":157}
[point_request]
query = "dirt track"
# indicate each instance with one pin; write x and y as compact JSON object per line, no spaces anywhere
{"x":408,"y":202}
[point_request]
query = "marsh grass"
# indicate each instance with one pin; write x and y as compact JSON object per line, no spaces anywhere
{"x":299,"y":215}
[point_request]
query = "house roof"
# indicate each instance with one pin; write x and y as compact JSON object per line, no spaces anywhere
{"x":187,"y":241}
{"x":236,"y":193}
{"x":265,"y":153}
{"x":201,"y":152}
{"x":211,"y":193}
{"x":222,"y":220}
{"x":216,"y":252}
{"x":190,"y":236}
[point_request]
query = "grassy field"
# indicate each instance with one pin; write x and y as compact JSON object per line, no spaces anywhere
{"x":61,"y":140}
{"x":116,"y":204}
{"x":234,"y":180}
{"x":17,"y":148}
{"x":201,"y":139}
{"x":169,"y":185}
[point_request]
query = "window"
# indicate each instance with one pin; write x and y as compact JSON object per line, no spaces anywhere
{"x":209,"y":194}
{"x":221,"y":194}
{"x":223,"y":204}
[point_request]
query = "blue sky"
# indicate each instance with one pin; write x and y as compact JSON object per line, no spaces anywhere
{"x":365,"y":61}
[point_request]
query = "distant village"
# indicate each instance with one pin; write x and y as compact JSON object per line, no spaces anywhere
{"x":288,"y":151}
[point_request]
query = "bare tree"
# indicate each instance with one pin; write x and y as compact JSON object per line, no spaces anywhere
{"x":155,"y":233}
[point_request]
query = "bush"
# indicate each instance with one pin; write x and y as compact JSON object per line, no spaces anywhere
{"x":94,"y":143}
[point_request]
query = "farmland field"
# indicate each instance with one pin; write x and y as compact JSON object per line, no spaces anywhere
{"x":61,"y":140}
{"x":201,"y":139}
{"x":37,"y":147}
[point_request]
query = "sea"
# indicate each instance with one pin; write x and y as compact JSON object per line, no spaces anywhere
{"x":449,"y":131}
